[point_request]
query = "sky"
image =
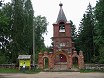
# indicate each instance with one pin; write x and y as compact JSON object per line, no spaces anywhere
{"x":73,"y":9}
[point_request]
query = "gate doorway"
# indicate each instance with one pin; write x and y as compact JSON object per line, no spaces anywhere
{"x":46,"y":62}
{"x":75,"y":62}
{"x":60,"y":59}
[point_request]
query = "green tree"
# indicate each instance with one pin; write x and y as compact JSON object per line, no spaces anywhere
{"x":73,"y":31}
{"x":40,"y":25}
{"x":99,"y":28}
{"x":5,"y":28}
{"x":22,"y":27}
{"x":86,"y":34}
{"x":16,"y":30}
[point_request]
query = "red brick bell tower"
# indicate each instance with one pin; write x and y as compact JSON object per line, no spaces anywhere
{"x":62,"y":33}
{"x":63,"y":53}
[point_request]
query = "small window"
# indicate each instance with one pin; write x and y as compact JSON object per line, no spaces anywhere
{"x":61,"y":27}
{"x":62,"y":44}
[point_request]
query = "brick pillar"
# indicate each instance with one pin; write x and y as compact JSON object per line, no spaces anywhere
{"x":50,"y":60}
{"x":81,"y":59}
{"x":40,"y":60}
{"x":70,"y":60}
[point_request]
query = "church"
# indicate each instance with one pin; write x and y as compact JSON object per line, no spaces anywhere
{"x":63,"y":52}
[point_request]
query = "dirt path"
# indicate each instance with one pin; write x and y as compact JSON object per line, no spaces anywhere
{"x":55,"y":75}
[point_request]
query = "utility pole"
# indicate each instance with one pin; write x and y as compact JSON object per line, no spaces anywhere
{"x":33,"y":46}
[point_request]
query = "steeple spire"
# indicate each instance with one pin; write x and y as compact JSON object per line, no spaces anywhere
{"x":61,"y":15}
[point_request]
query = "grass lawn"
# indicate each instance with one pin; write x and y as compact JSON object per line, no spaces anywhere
{"x":9,"y":70}
{"x":33,"y":71}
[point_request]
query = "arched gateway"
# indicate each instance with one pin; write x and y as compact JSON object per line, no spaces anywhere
{"x":60,"y":59}
{"x":63,"y":48}
{"x":68,"y":59}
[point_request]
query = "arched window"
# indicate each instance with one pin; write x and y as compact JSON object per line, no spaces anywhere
{"x":61,"y":27}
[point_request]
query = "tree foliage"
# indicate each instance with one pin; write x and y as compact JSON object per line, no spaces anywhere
{"x":40,"y":25}
{"x":99,"y":28}
{"x":5,"y":31}
{"x":85,"y":35}
{"x":73,"y":31}
{"x":16,"y":30}
{"x":91,"y":33}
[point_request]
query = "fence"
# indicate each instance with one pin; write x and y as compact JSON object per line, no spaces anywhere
{"x":94,"y":66}
{"x":14,"y":66}
{"x":7,"y":65}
